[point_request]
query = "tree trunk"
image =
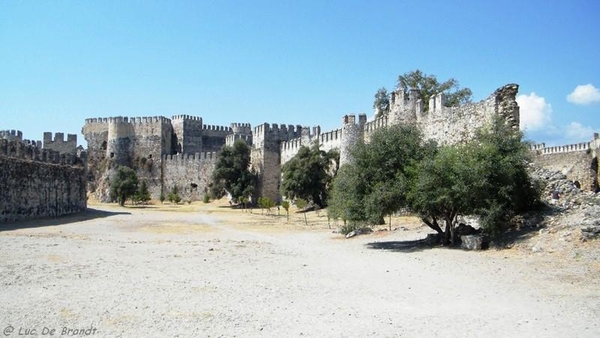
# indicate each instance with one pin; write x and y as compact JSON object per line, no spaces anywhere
{"x":433,"y":224}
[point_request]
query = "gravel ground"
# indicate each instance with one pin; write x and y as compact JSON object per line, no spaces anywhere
{"x":207,"y":272}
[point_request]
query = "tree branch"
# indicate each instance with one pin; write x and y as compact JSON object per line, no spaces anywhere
{"x":434,"y":225}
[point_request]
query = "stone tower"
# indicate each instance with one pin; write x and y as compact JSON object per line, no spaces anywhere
{"x":119,"y":144}
{"x":239,"y":131}
{"x":352,"y":132}
{"x":188,"y":131}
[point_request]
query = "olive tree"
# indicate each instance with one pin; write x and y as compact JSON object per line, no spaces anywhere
{"x":124,"y":184}
{"x":232,"y":172}
{"x":428,"y":85}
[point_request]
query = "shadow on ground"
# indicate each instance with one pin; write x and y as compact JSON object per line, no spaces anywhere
{"x":506,"y":241}
{"x":89,"y":214}
{"x":402,"y":246}
{"x":512,"y":237}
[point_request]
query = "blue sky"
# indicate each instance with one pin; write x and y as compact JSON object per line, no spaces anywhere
{"x":292,"y":62}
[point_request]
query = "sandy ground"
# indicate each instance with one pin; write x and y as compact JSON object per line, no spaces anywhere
{"x":206,"y":271}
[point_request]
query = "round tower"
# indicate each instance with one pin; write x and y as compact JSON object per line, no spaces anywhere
{"x":352,"y":132}
{"x":239,"y":131}
{"x":120,"y":140}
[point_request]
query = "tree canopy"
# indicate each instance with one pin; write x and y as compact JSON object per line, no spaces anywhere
{"x":142,"y":194}
{"x":124,"y":184}
{"x":381,"y":103}
{"x":375,"y":183}
{"x":428,"y":85}
{"x":309,"y":173}
{"x":232,"y":172}
{"x":486,"y":177}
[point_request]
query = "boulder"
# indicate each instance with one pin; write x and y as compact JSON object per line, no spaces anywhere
{"x":472,"y":242}
{"x":465,"y":230}
{"x":590,"y":232}
{"x":352,"y":233}
{"x":359,"y":232}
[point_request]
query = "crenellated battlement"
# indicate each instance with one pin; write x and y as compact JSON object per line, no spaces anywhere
{"x":241,"y":128}
{"x":29,"y":150}
{"x":216,"y":128}
{"x":59,"y":137}
{"x":59,"y":144}
{"x":210,"y":156}
{"x":33,"y":143}
{"x":539,"y":146}
{"x":378,"y":123}
{"x":11,"y":135}
{"x":186,"y":117}
{"x":437,"y":102}
{"x":275,"y":128}
{"x":125,"y":119}
{"x":240,"y":125}
{"x":331,"y":136}
{"x":231,"y":138}
{"x":405,"y":105}
{"x":351,"y":119}
{"x":98,"y":120}
{"x":570,"y":148}
{"x":271,"y":135}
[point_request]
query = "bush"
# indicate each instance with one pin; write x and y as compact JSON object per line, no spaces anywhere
{"x":266,"y":203}
{"x":349,"y":227}
{"x":173,"y":196}
{"x":206,"y":198}
{"x":286,"y":206}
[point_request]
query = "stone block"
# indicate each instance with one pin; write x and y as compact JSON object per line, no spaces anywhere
{"x":472,"y":242}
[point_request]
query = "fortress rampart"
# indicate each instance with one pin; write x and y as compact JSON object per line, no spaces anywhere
{"x":39,"y":182}
{"x":239,"y":131}
{"x":165,"y":152}
{"x":181,"y":145}
{"x":266,"y":155}
{"x":187,"y":130}
{"x":59,"y":144}
{"x":579,"y":162}
{"x":12,"y":135}
{"x":327,"y":141}
{"x":190,"y":173}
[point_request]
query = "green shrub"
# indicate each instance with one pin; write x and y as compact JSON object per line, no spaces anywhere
{"x":349,"y":227}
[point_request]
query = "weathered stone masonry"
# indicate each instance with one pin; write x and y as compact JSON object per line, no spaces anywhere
{"x":39,"y":182}
{"x":166,"y":153}
{"x":579,"y":162}
{"x":181,"y":149}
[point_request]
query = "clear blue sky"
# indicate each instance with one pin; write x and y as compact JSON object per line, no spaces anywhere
{"x":292,"y":62}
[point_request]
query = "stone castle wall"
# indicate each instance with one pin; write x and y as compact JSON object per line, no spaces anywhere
{"x":164,"y":152}
{"x":273,"y":144}
{"x":446,"y":125}
{"x":188,"y":134}
{"x":327,"y":141}
{"x":190,"y":173}
{"x":12,"y":135}
{"x":266,"y":155}
{"x":213,"y":137}
{"x":239,"y":131}
{"x":579,"y":162}
{"x":59,"y":144}
{"x":124,"y":138}
{"x":39,"y":182}
{"x":451,"y":125}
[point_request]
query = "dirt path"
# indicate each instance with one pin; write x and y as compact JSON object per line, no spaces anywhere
{"x":208,"y":272}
